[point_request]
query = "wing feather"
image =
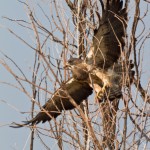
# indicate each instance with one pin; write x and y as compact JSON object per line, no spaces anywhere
{"x":60,"y":101}
{"x":108,"y":40}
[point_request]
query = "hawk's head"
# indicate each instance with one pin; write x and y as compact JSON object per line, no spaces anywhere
{"x":73,"y":62}
{"x":78,"y":68}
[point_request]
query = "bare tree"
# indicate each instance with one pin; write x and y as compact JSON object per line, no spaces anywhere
{"x":69,"y":30}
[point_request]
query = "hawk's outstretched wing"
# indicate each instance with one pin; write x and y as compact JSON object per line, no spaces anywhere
{"x":60,"y":101}
{"x":108,"y":41}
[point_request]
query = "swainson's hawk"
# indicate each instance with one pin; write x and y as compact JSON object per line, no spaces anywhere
{"x":101,"y":70}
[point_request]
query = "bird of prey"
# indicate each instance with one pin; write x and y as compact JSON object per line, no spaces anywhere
{"x":79,"y":69}
{"x":100,"y":71}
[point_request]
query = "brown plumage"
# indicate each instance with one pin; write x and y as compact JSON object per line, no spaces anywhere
{"x":79,"y":69}
{"x":108,"y":42}
{"x":60,"y":101}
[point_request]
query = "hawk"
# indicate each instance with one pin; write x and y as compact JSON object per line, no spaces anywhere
{"x":100,"y":71}
{"x":79,"y":69}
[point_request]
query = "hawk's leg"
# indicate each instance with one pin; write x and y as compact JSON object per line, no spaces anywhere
{"x":100,"y":94}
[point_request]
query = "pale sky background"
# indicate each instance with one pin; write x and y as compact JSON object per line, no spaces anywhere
{"x":15,"y":139}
